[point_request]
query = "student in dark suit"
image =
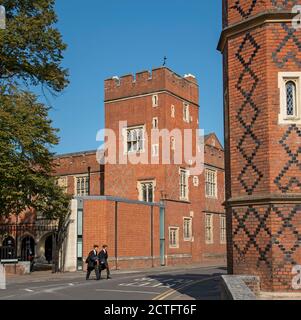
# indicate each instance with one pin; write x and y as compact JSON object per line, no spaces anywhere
{"x":92,"y":262}
{"x":103,"y":261}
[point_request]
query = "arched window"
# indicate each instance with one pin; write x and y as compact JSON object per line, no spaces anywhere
{"x":289,"y":84}
{"x":290,"y":88}
{"x":155,"y":100}
{"x":173,"y":111}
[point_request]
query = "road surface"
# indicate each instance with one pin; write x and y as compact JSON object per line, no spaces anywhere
{"x":181,"y":284}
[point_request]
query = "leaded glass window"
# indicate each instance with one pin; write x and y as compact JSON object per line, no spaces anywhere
{"x":135,"y":139}
{"x":290,"y":98}
{"x":211,"y":183}
{"x":147,"y":191}
{"x":82,"y":186}
{"x":184,"y":184}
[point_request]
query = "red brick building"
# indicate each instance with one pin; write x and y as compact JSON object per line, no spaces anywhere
{"x":262,"y":76}
{"x":152,"y":213}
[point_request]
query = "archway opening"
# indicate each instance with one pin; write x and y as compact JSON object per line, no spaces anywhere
{"x":8,"y":242}
{"x":8,"y":251}
{"x":49,"y":249}
{"x":27,"y":248}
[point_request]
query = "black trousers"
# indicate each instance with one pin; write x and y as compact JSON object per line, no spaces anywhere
{"x":107,"y":270}
{"x":89,"y":270}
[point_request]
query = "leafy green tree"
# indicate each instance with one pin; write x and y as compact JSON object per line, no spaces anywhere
{"x":31,"y":48}
{"x":26,"y":164}
{"x":31,"y":54}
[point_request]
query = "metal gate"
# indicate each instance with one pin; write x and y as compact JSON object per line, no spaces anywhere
{"x":18,"y":240}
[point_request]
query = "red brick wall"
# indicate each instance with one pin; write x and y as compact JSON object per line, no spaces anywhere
{"x":263,"y":216}
{"x":241,"y":10}
{"x":121,"y":180}
{"x":134,"y":232}
{"x":76,"y":164}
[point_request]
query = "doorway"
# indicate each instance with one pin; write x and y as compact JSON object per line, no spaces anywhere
{"x":27,"y":248}
{"x":49,"y":249}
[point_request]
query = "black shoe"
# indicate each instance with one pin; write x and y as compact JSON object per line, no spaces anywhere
{"x":108,"y":278}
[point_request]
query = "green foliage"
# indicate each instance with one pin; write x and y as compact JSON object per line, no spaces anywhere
{"x":31,"y":47}
{"x":26,"y":134}
{"x":31,"y":51}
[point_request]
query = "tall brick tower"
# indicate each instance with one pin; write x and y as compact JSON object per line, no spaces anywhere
{"x":262,"y":106}
{"x":155,"y":100}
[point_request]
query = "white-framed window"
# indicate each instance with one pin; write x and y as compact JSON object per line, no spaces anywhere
{"x":155,"y":123}
{"x":155,"y":99}
{"x":187,"y":229}
{"x":174,"y":237}
{"x":146,"y":191}
{"x":173,"y":143}
{"x":290,"y":97}
{"x":173,"y":111}
{"x":211,"y":183}
{"x":196,"y":181}
{"x":209,"y":228}
{"x":155,"y":150}
{"x":184,"y":187}
{"x":223,"y":234}
{"x":62,"y":182}
{"x":186,"y":113}
{"x":82,"y":186}
{"x":135,"y":139}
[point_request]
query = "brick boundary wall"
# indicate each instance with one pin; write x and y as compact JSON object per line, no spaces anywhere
{"x":239,"y":287}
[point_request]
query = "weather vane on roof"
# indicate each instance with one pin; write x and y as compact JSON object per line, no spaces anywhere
{"x":164,"y":62}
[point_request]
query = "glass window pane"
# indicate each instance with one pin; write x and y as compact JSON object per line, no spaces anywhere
{"x":290,"y":98}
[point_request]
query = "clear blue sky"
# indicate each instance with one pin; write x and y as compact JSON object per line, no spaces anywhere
{"x":107,"y":38}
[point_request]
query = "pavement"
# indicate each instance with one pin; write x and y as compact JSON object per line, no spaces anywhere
{"x":165,"y":283}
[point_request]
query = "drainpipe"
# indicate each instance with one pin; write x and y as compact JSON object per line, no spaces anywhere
{"x":152,"y":235}
{"x":116,"y":235}
{"x":89,"y":181}
{"x":162,"y":234}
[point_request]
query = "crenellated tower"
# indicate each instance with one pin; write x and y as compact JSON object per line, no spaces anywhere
{"x":261,"y":49}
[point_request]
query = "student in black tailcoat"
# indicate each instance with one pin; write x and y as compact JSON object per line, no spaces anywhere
{"x":92,"y":262}
{"x":103,"y":261}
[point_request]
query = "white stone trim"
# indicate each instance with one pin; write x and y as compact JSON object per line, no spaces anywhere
{"x":124,"y":134}
{"x":155,"y":100}
{"x":177,"y":229}
{"x":283,"y":78}
{"x":187,"y":183}
{"x":139,"y":183}
{"x":211,"y":241}
{"x":188,"y":239}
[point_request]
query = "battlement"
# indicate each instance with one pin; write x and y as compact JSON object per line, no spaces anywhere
{"x":145,"y":82}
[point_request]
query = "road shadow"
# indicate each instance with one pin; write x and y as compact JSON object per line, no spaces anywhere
{"x":203,"y":286}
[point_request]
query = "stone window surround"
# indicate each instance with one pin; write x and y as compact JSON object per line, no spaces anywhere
{"x":139,"y":188}
{"x":215,"y":183}
{"x":155,"y":100}
{"x":125,"y":131}
{"x":283,"y":78}
{"x":177,"y":231}
{"x":186,"y":112}
{"x":223,"y":229}
{"x":188,"y":239}
{"x":182,"y":170}
{"x":86,"y":176}
{"x":210,"y":239}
